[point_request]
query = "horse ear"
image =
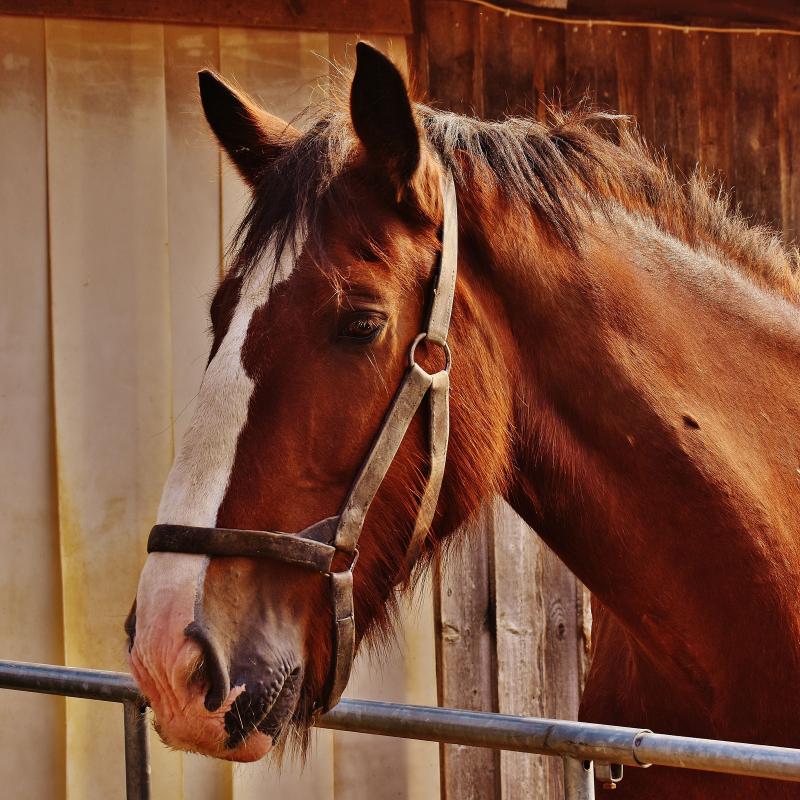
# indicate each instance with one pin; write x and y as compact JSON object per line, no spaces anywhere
{"x":383,"y":118}
{"x":249,"y":135}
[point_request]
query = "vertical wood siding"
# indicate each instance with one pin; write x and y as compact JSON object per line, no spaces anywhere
{"x":31,"y":733}
{"x":729,"y":102}
{"x":111,"y":355}
{"x":117,"y":210}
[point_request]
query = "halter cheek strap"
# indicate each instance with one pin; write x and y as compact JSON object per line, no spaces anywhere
{"x":315,"y":547}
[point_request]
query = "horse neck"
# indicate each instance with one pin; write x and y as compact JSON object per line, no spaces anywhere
{"x":658,"y":449}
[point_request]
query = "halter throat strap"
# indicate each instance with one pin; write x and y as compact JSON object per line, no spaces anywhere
{"x":315,"y":547}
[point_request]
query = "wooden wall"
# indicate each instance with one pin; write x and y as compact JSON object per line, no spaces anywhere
{"x":114,"y":210}
{"x":513,"y":636}
{"x":727,"y":101}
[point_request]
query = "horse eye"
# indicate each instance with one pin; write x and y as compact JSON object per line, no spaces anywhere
{"x":361,"y":327}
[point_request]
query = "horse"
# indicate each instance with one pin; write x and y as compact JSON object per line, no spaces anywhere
{"x":625,"y":349}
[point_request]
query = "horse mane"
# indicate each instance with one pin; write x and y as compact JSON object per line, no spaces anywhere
{"x":564,"y":170}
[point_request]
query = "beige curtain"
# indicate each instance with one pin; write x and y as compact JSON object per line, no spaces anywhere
{"x":114,"y":212}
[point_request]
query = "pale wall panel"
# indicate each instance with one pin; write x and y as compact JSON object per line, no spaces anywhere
{"x":128,"y":317}
{"x":193,"y":207}
{"x":281,"y":70}
{"x":111,"y":335}
{"x":419,"y":635}
{"x":193,"y":189}
{"x":31,"y":726}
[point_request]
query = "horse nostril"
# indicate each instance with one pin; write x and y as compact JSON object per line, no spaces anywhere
{"x":212,"y":668}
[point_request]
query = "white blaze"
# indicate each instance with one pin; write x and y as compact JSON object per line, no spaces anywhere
{"x":195,"y":489}
{"x":199,"y":477}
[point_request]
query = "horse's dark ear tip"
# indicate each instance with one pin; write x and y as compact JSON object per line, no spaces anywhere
{"x":364,"y":49}
{"x":207,"y":80}
{"x":368,"y":53}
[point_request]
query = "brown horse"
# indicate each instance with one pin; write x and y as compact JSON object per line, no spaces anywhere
{"x":626,"y":352}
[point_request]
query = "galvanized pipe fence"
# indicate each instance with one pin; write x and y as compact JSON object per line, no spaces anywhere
{"x":579,"y":744}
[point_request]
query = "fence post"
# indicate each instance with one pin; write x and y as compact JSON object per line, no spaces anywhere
{"x":137,"y":752}
{"x":578,"y":779}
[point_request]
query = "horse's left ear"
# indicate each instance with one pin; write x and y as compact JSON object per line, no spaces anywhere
{"x":250,"y":136}
{"x":383,"y":118}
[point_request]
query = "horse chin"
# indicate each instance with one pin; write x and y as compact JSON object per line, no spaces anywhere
{"x":253,"y":748}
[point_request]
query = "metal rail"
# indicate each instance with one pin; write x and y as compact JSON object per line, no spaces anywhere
{"x":577,"y":743}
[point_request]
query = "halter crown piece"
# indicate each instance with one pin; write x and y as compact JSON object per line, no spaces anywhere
{"x":315,"y":547}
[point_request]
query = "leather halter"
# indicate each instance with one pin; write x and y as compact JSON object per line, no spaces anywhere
{"x":315,"y":547}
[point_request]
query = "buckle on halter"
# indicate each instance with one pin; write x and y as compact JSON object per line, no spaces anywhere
{"x":421,"y":337}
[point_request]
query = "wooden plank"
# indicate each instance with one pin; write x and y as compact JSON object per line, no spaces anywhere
{"x":583,"y":603}
{"x":374,"y":766}
{"x":508,"y":65}
{"x":634,"y":93}
{"x":788,"y":115}
{"x":607,"y":41}
{"x":591,"y":68}
{"x":419,"y":636}
{"x":397,"y":18}
{"x":310,"y":15}
{"x":549,"y":64}
{"x":684,"y":88}
{"x":541,"y":644}
{"x":111,"y":355}
{"x":774,"y":12}
{"x":579,"y":63}
{"x":31,"y":726}
{"x":193,"y":212}
{"x":453,"y":79}
{"x":715,"y":110}
{"x":563,"y":647}
{"x":384,"y":767}
{"x":521,"y":642}
{"x":466,"y":666}
{"x":665,"y":130}
{"x":756,"y":160}
{"x":281,"y":70}
{"x":193,"y":225}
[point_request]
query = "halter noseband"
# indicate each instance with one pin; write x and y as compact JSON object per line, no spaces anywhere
{"x":315,"y":547}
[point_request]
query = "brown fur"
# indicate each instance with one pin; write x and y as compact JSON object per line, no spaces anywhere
{"x":626,"y":351}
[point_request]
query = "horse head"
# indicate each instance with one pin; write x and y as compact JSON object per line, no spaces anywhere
{"x":312,"y":327}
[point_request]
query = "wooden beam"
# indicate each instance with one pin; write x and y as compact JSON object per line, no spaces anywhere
{"x":381,"y":16}
{"x":783,"y":13}
{"x":714,"y":13}
{"x":562,"y":4}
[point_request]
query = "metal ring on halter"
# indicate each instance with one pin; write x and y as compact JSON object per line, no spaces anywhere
{"x":348,"y":568}
{"x":448,"y":359}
